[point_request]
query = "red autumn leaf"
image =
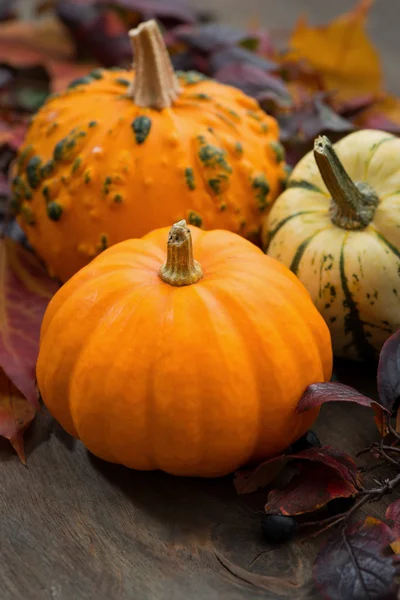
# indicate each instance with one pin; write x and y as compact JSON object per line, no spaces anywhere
{"x":393,"y":514}
{"x":321,"y":393}
{"x":352,"y":564}
{"x":25,"y":290}
{"x":249,"y":481}
{"x":16,"y":413}
{"x":312,"y":488}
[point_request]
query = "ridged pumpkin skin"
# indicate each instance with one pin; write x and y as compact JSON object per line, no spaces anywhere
{"x":353,"y":276}
{"x":195,"y":380}
{"x":96,"y":169}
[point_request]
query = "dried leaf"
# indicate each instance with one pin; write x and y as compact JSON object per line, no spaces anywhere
{"x":16,"y":413}
{"x":99,"y":33}
{"x":384,"y":114}
{"x":25,"y":289}
{"x":312,"y":488}
{"x":170,"y":11}
{"x":389,"y":372}
{"x":209,"y":37}
{"x":249,"y":481}
{"x":43,"y":43}
{"x":253,"y":81}
{"x":352,"y":566}
{"x":342,"y":53}
{"x":234,"y":54}
{"x":321,"y":393}
{"x":393,"y":514}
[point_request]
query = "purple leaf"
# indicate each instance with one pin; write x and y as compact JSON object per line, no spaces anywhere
{"x":352,"y":566}
{"x":208,"y":37}
{"x":96,"y":31}
{"x":389,"y":372}
{"x":171,"y":10}
{"x":252,"y":80}
{"x":393,"y":514}
{"x":235,"y":54}
{"x":321,"y":393}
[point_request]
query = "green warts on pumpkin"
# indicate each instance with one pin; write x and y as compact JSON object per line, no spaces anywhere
{"x":215,"y":167}
{"x":238,"y":149}
{"x":106,"y":185}
{"x":195,"y":219}
{"x":76,"y":164}
{"x":261,"y":187}
{"x":190,"y":77}
{"x":67,"y":149}
{"x":141,"y":127}
{"x":278,"y":150}
{"x":103,"y":245}
{"x":54,"y":211}
{"x":189,"y":178}
{"x":96,"y":74}
{"x":33,"y":174}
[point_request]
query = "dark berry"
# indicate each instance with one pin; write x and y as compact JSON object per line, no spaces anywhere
{"x":309,"y":440}
{"x":278,"y":529}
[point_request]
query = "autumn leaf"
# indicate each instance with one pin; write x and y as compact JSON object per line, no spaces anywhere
{"x":45,"y":43}
{"x":317,"y":394}
{"x":25,"y":290}
{"x":16,"y":413}
{"x":311,"y":489}
{"x":383,"y":114}
{"x":352,"y":564}
{"x":249,"y":481}
{"x":393,"y":514}
{"x":342,"y":53}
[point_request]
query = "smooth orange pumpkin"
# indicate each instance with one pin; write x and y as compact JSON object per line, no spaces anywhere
{"x":157,"y":361}
{"x":118,"y":155}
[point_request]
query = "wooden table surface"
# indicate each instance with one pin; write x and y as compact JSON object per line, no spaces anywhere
{"x":76,"y":528}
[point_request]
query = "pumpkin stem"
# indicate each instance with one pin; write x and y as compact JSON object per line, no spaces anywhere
{"x":353,"y":204}
{"x":155,"y":84}
{"x":180,"y":268}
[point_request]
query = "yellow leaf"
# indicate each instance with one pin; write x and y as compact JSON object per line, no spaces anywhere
{"x":342,"y":53}
{"x":395,"y":546}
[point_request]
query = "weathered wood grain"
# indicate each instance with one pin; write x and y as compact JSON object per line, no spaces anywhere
{"x":76,"y":528}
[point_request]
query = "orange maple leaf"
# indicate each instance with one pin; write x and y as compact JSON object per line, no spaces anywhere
{"x":341,"y":53}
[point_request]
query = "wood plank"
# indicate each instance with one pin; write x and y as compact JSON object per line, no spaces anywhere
{"x":76,"y":528}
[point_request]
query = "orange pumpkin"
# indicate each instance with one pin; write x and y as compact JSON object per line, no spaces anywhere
{"x":118,"y":155}
{"x":157,"y":361}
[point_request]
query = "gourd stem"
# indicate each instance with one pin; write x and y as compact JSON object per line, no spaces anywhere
{"x":155,"y":84}
{"x":181,"y":268}
{"x":353,"y":204}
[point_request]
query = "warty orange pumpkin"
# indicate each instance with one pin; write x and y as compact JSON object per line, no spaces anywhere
{"x":195,"y":367}
{"x":120,"y":153}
